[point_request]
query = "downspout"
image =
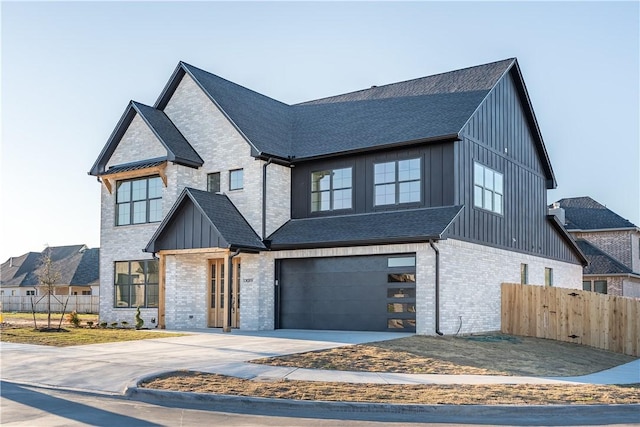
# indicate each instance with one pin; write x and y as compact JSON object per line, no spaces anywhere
{"x":435,"y":249}
{"x":227,"y":327}
{"x":264,"y":198}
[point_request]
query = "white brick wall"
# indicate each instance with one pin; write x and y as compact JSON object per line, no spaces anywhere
{"x":138,"y":143}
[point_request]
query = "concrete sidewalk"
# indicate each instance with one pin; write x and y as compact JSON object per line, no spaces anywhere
{"x":625,"y":374}
{"x":115,"y":367}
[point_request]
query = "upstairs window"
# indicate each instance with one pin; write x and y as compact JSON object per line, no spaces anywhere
{"x":236,"y":179}
{"x":397,"y":182}
{"x":331,"y":190}
{"x":488,"y":190}
{"x":213,"y":182}
{"x":139,"y":201}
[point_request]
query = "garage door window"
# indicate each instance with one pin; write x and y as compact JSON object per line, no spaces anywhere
{"x":408,"y":261}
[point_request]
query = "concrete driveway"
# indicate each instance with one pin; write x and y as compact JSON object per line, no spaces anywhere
{"x":111,"y":368}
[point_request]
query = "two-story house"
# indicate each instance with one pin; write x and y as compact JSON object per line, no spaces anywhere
{"x":400,"y":207}
{"x":610,"y":243}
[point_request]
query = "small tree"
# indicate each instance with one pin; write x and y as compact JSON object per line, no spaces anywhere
{"x":48,"y":275}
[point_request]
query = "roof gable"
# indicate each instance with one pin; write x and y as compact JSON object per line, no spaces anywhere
{"x":201,"y":219}
{"x":584,"y":213}
{"x":429,"y":108}
{"x":178,"y":148}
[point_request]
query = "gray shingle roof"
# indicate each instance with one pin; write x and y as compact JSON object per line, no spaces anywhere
{"x":599,"y":261}
{"x":76,"y":264}
{"x":380,"y":227}
{"x":227,"y":219}
{"x":426,"y":108}
{"x":219,"y":223}
{"x":584,"y":213}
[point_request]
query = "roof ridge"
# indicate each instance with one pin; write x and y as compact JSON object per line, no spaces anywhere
{"x":459,"y":70}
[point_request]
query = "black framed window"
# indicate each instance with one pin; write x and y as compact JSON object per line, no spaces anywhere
{"x":488,"y":189}
{"x":397,"y":182}
{"x":213,"y":182}
{"x":236,"y":179}
{"x":331,"y":189}
{"x":139,"y":201}
{"x":136,"y":283}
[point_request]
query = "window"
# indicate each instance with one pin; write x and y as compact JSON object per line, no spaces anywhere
{"x":236,"y":178}
{"x":599,"y":286}
{"x":86,"y":292}
{"x":136,"y":283}
{"x":548,"y":276}
{"x":139,"y":201}
{"x":213,"y":182}
{"x":524,"y":274}
{"x":407,"y":261}
{"x":397,"y":182}
{"x":31,"y":292}
{"x":488,"y":190}
{"x":331,"y":190}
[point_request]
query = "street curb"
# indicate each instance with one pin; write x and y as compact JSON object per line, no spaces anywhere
{"x":245,"y":404}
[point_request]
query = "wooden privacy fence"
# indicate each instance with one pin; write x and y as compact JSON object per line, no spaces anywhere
{"x":572,"y":315}
{"x":79,"y":303}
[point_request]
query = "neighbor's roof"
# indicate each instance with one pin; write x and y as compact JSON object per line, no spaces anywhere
{"x":178,"y":148}
{"x":202,"y":219}
{"x":76,"y":264}
{"x":600,"y":262}
{"x":584,"y":213}
{"x":416,"y":225}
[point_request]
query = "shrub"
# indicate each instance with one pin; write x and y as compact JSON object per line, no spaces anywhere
{"x":103,"y":325}
{"x":73,"y":318}
{"x":114,"y":324}
{"x":124,"y":323}
{"x":139,"y":320}
{"x":89,"y":324}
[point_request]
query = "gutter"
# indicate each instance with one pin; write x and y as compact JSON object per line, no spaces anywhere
{"x":264,"y":197}
{"x":435,"y":249}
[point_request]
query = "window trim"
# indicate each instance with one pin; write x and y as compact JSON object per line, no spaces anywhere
{"x":332,"y":189}
{"x":147,"y":285}
{"x":209,"y":176}
{"x":548,"y":276}
{"x":130,"y":203}
{"x":231,"y":172}
{"x":481,"y":203}
{"x":397,"y":182}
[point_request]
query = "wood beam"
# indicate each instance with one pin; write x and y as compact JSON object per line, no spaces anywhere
{"x":109,"y":180}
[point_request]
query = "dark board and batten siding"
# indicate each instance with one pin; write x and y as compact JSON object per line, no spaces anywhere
{"x":189,"y":229}
{"x":437,"y":161}
{"x":498,"y":136}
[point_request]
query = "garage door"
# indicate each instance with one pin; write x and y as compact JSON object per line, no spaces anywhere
{"x":364,"y":293}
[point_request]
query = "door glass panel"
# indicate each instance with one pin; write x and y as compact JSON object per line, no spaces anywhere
{"x":213,"y":286}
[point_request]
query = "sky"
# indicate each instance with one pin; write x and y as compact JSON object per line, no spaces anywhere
{"x":69,"y":70}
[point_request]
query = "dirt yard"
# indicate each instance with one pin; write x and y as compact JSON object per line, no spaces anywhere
{"x":488,"y":355}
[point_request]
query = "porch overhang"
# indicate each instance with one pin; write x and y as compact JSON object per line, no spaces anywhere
{"x":202,"y":221}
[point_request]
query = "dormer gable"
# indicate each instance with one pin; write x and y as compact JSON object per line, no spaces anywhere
{"x":164,"y":139}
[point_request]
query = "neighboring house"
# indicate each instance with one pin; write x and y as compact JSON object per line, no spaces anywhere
{"x":400,"y":207}
{"x":77,"y":265}
{"x":610,"y":243}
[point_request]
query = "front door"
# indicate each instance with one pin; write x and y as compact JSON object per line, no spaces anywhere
{"x":217,"y":293}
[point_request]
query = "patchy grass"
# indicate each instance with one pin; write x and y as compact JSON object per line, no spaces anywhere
{"x":26,"y":319}
{"x":481,"y":355}
{"x":76,"y":336}
{"x":406,"y":394}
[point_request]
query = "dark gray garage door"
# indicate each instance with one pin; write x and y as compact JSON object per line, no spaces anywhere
{"x":363,"y":293}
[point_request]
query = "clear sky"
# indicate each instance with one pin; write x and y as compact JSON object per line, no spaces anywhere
{"x":70,"y":68}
